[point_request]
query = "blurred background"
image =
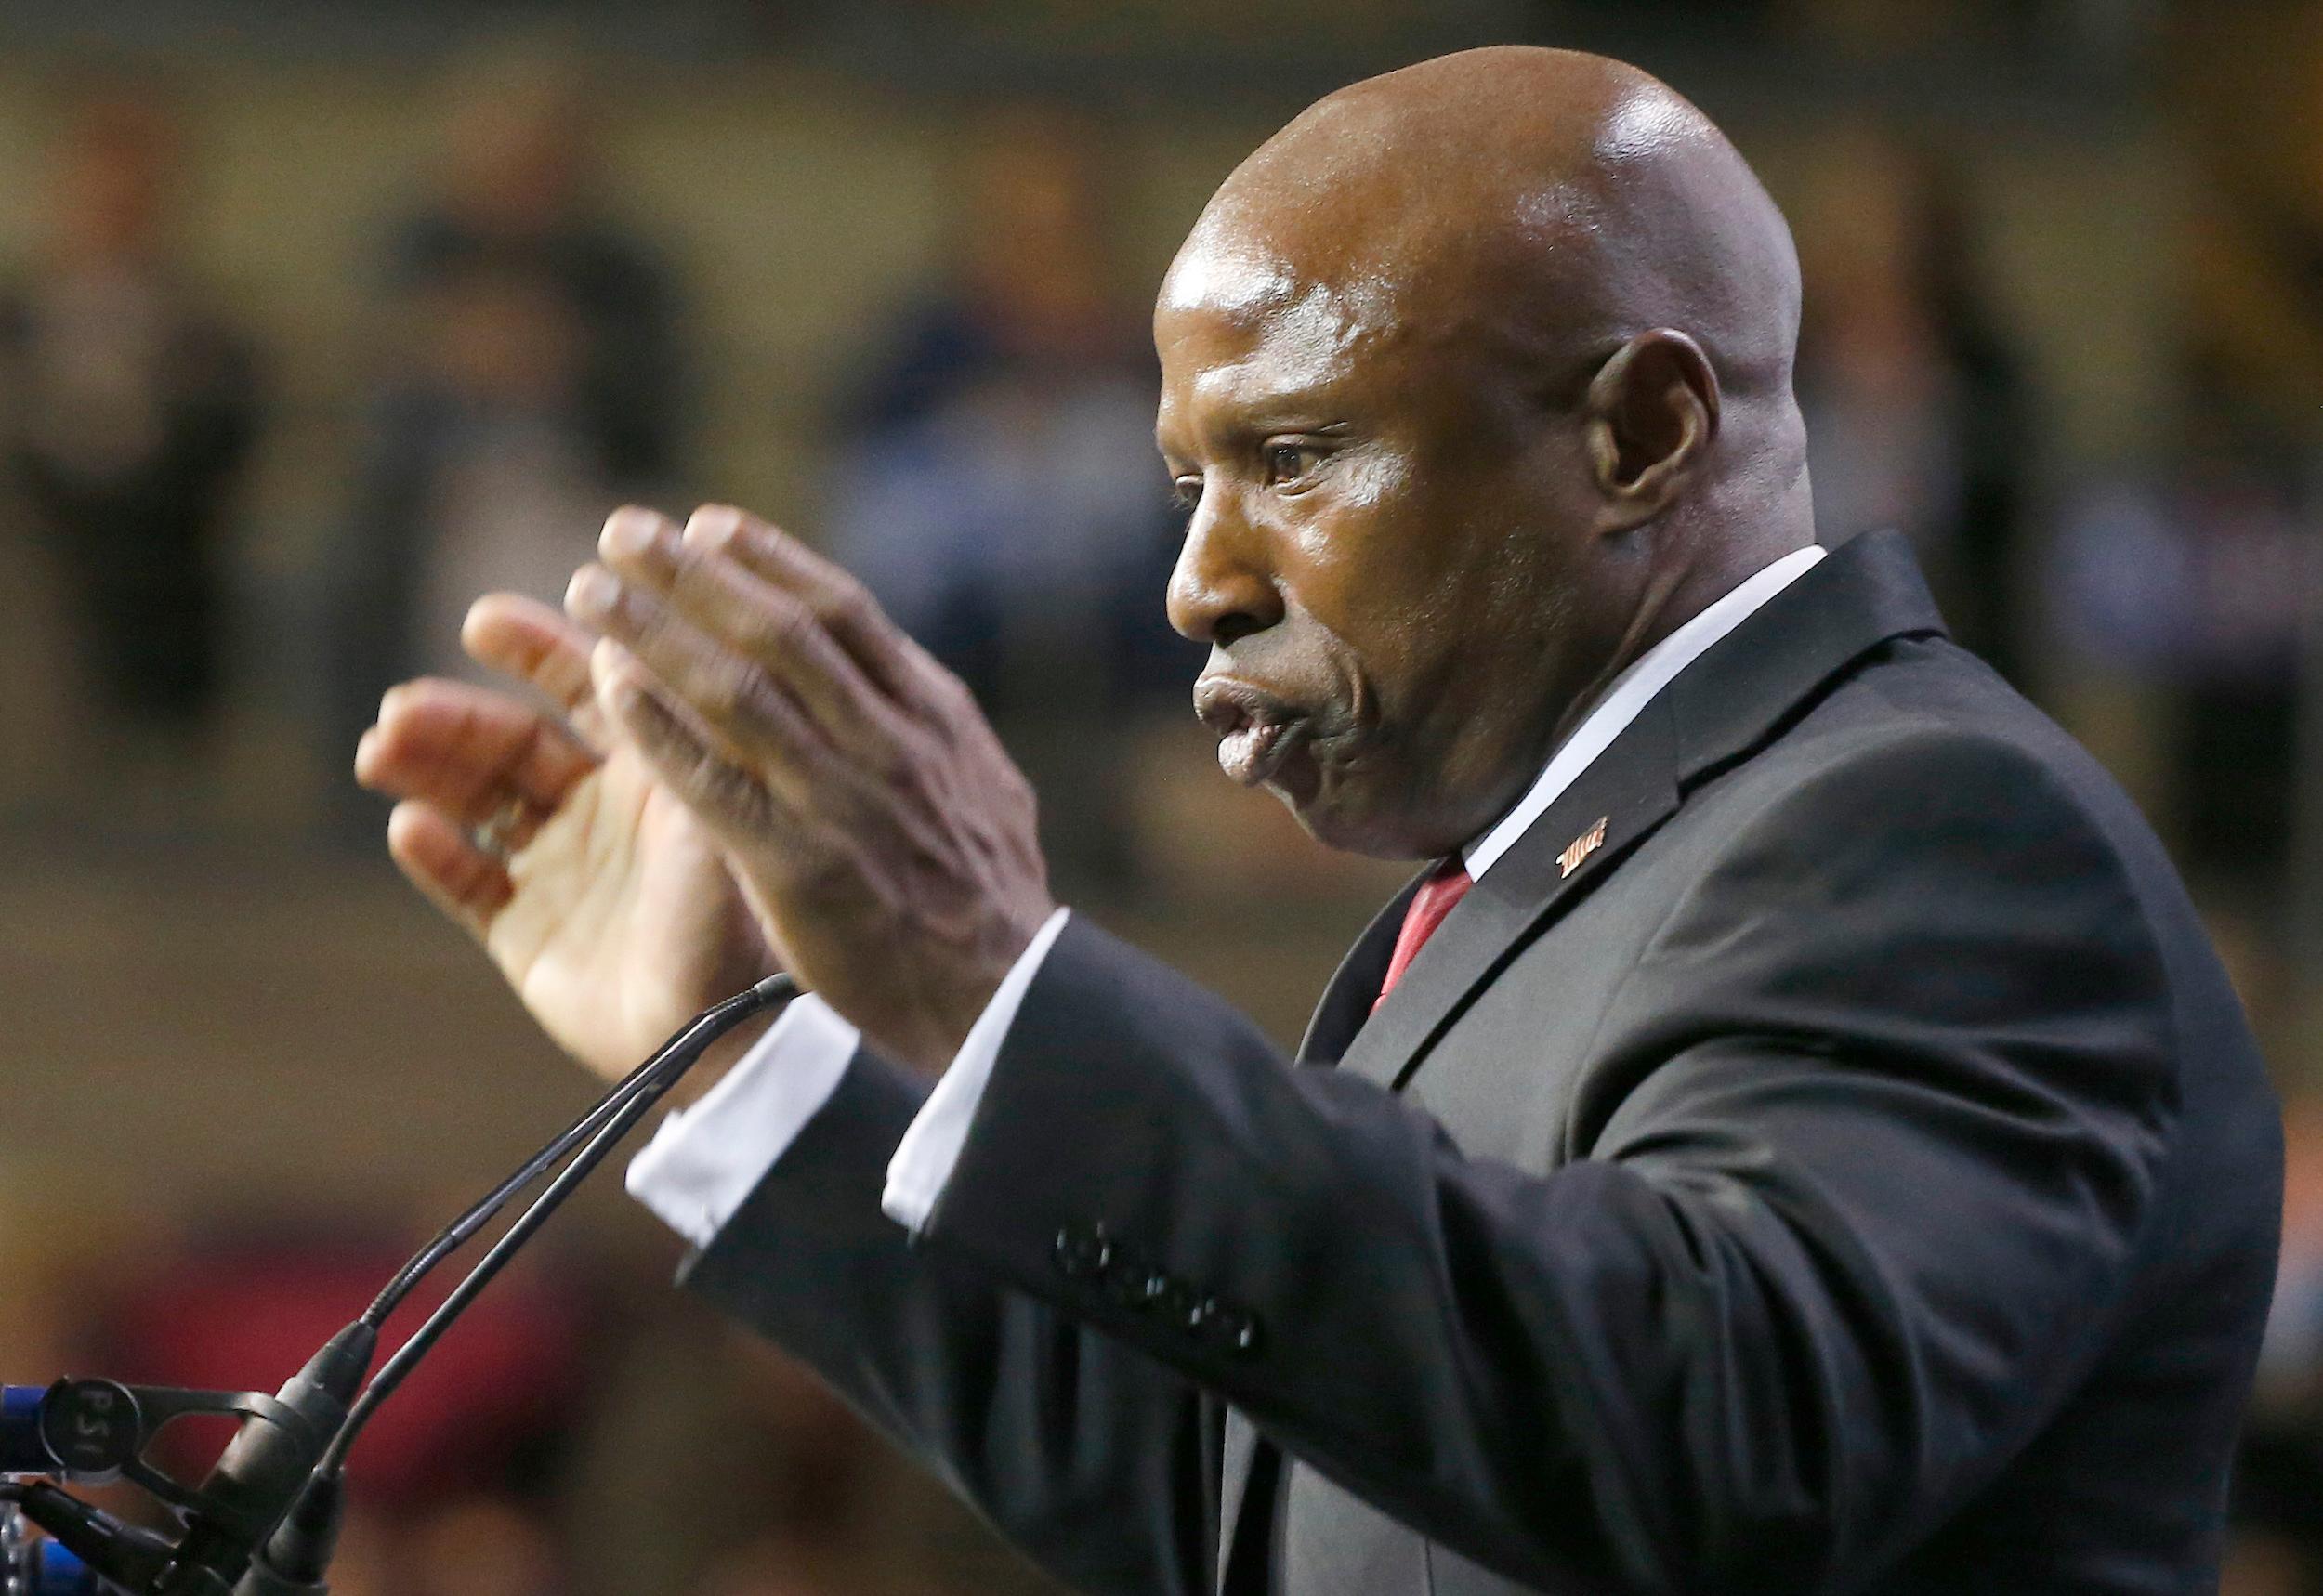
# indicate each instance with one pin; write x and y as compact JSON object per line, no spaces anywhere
{"x":317,"y":320}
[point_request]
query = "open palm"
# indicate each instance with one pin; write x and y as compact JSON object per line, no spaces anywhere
{"x":612,"y":914}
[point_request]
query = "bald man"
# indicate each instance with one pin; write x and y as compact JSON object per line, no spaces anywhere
{"x":1793,"y":1135}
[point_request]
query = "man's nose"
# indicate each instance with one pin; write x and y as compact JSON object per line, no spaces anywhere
{"x":1224,"y":586}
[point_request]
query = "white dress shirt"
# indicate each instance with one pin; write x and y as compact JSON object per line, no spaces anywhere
{"x":707,"y":1159}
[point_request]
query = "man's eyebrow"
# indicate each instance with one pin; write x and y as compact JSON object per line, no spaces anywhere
{"x":1314,"y":407}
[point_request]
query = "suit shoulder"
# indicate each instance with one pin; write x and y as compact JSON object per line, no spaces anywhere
{"x":1923,"y":729}
{"x":1923,"y":780}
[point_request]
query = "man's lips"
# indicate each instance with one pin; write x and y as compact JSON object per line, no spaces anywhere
{"x":1257,"y":731}
{"x":1253,"y":754}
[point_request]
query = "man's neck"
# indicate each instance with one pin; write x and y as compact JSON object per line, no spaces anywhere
{"x":1712,"y":567}
{"x":1611,"y":707}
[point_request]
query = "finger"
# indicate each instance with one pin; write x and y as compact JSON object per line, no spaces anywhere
{"x":469,"y":750}
{"x":883,"y":652}
{"x":735,"y":697}
{"x":463,"y":880}
{"x":764,"y":623}
{"x":730,"y":798}
{"x":524,"y":638}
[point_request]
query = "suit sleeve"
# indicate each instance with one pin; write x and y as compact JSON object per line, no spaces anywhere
{"x":1865,"y":1148}
{"x":1094,"y":1461}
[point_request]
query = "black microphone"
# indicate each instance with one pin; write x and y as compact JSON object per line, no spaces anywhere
{"x":266,"y":1519}
{"x":46,"y":1567}
{"x":294,"y":1558}
{"x":124,"y":1556}
{"x":264,"y":1470}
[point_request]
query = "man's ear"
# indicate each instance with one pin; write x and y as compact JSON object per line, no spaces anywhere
{"x":1650,"y":415}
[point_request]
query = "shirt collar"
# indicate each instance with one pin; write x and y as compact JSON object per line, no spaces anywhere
{"x":1631,"y":692}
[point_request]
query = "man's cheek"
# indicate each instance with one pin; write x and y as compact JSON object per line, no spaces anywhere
{"x":1376,"y":482}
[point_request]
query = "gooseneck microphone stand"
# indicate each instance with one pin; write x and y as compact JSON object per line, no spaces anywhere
{"x":265,"y":1519}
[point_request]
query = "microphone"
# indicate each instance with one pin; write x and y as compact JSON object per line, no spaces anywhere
{"x":130,"y":1558}
{"x":264,"y":1522}
{"x":293,"y":1562}
{"x":264,"y":1470}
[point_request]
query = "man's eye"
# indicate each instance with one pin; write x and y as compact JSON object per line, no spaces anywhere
{"x":1186,"y":494}
{"x":1286,"y":463}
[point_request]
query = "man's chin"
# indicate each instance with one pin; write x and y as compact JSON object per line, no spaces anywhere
{"x":1351,"y":828}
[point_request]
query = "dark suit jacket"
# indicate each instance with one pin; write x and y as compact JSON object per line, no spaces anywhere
{"x":1854,"y":1174}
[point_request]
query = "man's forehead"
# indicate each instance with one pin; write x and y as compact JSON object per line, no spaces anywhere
{"x":1244,"y":337}
{"x":1268,"y":283}
{"x":1244,"y":261}
{"x":1230,"y":273}
{"x":1286,"y":315}
{"x":1434,"y":254}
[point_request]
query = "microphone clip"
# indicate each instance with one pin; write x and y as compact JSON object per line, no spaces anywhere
{"x":94,"y":1432}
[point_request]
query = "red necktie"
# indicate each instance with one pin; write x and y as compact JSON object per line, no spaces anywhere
{"x":1425,"y":913}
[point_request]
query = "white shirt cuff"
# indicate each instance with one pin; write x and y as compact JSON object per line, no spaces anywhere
{"x":931,"y":1147}
{"x":704,"y":1160}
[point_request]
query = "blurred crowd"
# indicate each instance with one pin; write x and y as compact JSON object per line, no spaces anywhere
{"x":534,"y":355}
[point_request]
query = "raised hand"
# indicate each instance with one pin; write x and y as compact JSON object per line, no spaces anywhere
{"x":607,"y":905}
{"x":882,"y":834}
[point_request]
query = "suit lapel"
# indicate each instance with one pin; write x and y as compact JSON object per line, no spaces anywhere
{"x":1724,"y":706}
{"x":1631,"y":789}
{"x":1742,"y":693}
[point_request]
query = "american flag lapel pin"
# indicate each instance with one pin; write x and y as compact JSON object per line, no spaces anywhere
{"x":1579,"y":848}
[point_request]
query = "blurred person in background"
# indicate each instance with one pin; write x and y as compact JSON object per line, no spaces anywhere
{"x":2207,"y":555}
{"x":128,"y":404}
{"x":534,"y":370}
{"x":994,"y":486}
{"x":1915,"y":408}
{"x":2193,"y":576}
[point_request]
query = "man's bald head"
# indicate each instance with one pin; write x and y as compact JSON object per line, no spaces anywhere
{"x":1558,"y":200}
{"x":1476,"y":382}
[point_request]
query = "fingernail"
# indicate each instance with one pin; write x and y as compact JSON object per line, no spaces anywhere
{"x":628,"y":533}
{"x":713,"y":527}
{"x":592,"y":591}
